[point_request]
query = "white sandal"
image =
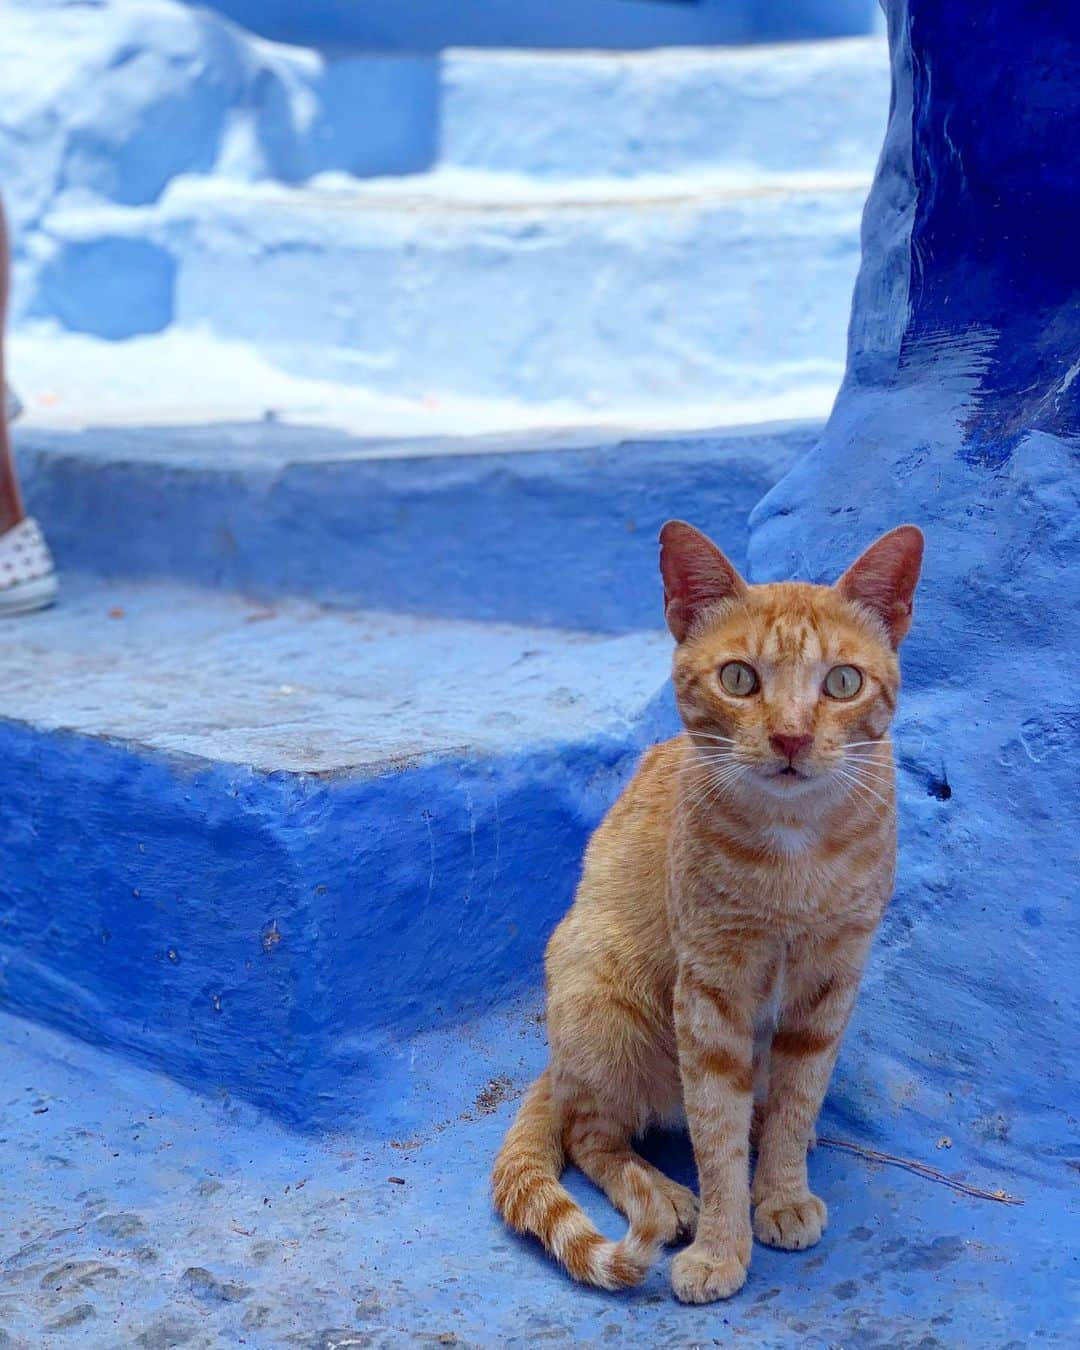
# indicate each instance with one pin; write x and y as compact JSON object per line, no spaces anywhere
{"x":27,"y":575}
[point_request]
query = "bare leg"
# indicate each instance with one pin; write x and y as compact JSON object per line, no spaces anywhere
{"x":11,"y":506}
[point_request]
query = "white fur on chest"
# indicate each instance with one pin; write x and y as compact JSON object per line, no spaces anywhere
{"x":766,"y":1021}
{"x":789,"y":839}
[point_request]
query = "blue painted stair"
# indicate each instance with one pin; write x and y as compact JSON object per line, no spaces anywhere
{"x":274,"y":790}
{"x":241,"y":840}
{"x":138,"y":1214}
{"x":618,"y":296}
{"x":309,"y":753}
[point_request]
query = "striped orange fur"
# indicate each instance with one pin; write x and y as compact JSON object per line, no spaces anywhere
{"x":710,"y":961}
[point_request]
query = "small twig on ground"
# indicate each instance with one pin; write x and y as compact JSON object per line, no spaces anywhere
{"x":920,"y":1169}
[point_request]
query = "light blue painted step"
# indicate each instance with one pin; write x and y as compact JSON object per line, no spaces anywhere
{"x":188,"y":93}
{"x":245,"y":844}
{"x":555,"y":527}
{"x":606,"y":296}
{"x":808,"y":107}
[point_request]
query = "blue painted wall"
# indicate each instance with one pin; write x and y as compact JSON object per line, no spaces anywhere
{"x":425,"y":25}
{"x":960,"y":411}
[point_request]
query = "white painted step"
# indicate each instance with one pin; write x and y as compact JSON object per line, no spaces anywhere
{"x":186,"y":377}
{"x":296,"y":688}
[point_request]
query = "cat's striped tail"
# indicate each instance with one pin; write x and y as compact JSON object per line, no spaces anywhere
{"x":530,"y":1198}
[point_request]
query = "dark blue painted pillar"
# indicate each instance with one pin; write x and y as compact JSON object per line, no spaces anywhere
{"x":961,"y":411}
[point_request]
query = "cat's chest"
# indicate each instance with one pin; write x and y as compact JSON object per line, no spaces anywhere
{"x":791,"y":870}
{"x":785,"y":868}
{"x":790,"y":842}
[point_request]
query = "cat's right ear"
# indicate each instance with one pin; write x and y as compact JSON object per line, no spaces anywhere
{"x":696,"y":576}
{"x":884,"y":578}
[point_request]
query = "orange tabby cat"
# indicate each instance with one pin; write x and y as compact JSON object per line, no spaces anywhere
{"x":711,"y":958}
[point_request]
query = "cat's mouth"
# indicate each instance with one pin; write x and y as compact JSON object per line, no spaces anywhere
{"x":787,"y":782}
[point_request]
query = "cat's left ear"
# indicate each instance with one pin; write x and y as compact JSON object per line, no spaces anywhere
{"x":696,"y":575}
{"x":884,"y":579}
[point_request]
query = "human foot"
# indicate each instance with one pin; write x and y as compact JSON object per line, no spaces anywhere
{"x":27,"y":575}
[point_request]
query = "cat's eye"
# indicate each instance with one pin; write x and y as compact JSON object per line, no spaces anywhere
{"x":843,"y":682}
{"x":738,"y":678}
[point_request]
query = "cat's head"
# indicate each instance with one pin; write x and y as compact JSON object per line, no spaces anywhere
{"x":785,"y":687}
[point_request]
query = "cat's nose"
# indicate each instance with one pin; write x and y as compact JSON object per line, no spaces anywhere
{"x":789,"y":746}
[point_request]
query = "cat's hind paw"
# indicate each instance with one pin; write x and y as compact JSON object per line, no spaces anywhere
{"x":684,"y":1212}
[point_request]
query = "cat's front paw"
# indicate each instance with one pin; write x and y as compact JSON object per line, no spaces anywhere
{"x":793,"y":1224}
{"x":703,"y":1274}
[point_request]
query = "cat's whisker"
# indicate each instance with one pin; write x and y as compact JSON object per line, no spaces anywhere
{"x":846,"y":771}
{"x":858,"y":785}
{"x":699,"y":798}
{"x":718,"y":755}
{"x":704,"y":800}
{"x":725,"y":781}
{"x":870,"y":763}
{"x":725,"y":757}
{"x":714,"y":773}
{"x":697,"y":794}
{"x":870,"y":775}
{"x":869,"y":770}
{"x":873,"y":761}
{"x":715,"y":784}
{"x":854,"y":790}
{"x":854,"y":745}
{"x":712,"y":788}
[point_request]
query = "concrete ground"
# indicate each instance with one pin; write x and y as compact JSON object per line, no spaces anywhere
{"x":136,"y":1214}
